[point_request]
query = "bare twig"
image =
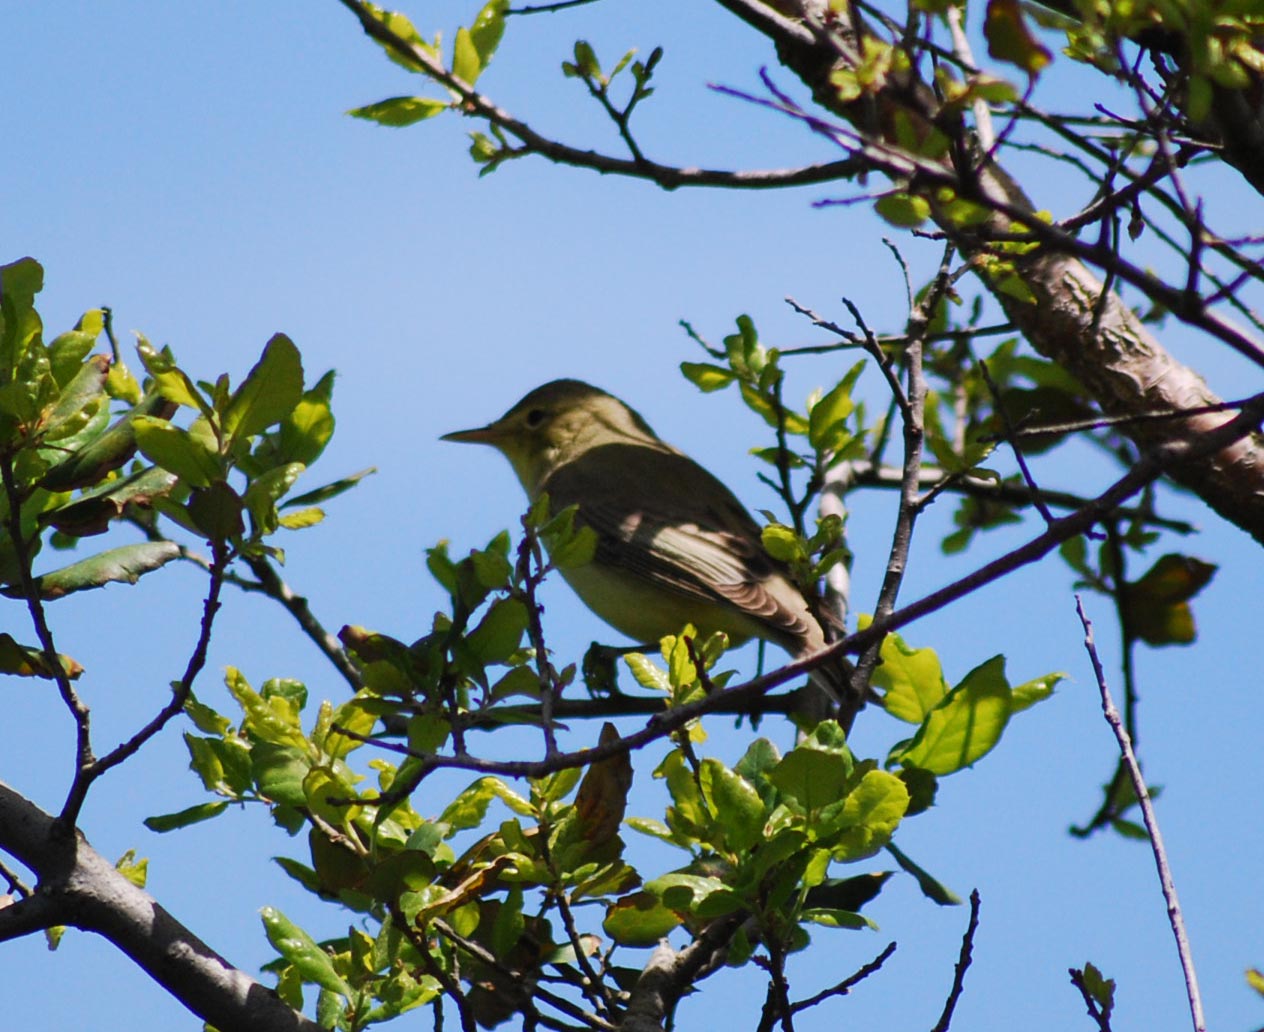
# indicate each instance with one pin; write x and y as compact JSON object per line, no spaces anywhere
{"x":1152,"y":826}
{"x":845,"y":986}
{"x":998,"y":406}
{"x":271,"y":584}
{"x":869,"y":475}
{"x":558,"y":5}
{"x":963,"y":965}
{"x":179,"y":695}
{"x":35,"y":607}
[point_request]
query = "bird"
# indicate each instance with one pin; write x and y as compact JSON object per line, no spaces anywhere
{"x":673,"y":543}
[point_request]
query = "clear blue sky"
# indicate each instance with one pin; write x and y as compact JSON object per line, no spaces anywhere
{"x":191,"y":166}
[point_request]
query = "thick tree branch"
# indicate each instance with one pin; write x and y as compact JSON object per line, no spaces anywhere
{"x":79,"y":887}
{"x":1074,"y":320}
{"x":671,"y":973}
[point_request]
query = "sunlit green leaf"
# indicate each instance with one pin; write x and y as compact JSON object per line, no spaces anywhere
{"x":401,"y":111}
{"x":301,"y":950}
{"x":965,"y":725}
{"x":182,"y":819}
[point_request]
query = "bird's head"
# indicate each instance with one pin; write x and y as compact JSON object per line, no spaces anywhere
{"x":556,"y":423}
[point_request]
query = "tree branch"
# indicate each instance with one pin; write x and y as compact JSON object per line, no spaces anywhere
{"x":1152,"y":826}
{"x":1073,"y":320}
{"x":79,"y":887}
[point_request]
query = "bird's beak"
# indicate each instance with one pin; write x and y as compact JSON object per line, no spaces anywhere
{"x":482,"y":435}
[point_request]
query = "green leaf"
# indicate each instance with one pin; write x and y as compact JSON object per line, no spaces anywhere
{"x":1101,"y":988}
{"x":108,"y":451}
{"x":1158,"y":603}
{"x":836,"y":918}
{"x":93,"y":511}
{"x":466,"y":64}
{"x":931,"y":887}
{"x":1255,"y":979}
{"x":707,"y":377}
{"x":965,"y":725}
{"x":586,"y":59}
{"x":738,"y":808}
{"x":781,"y":542}
{"x":872,"y":812}
{"x":1009,"y":38}
{"x":302,"y":519}
{"x":176,"y":450}
{"x":25,"y":661}
{"x":272,"y":720}
{"x":648,"y":674}
{"x":400,"y":111}
{"x":469,"y":808}
{"x":279,"y":771}
{"x":912,"y":678}
{"x":639,"y":920}
{"x":301,"y":950}
{"x":20,"y":324}
{"x":266,"y":490}
{"x":323,"y":494}
{"x":125,"y":565}
{"x":812,"y":777}
{"x":499,"y":634}
{"x":903,"y":210}
{"x":78,"y":401}
{"x":827,"y":418}
{"x":205,"y":719}
{"x":216,"y":511}
{"x":182,"y":819}
{"x":488,"y":28}
{"x":169,"y":380}
{"x":270,"y":392}
{"x":306,"y":431}
{"x":135,"y":871}
{"x":1031,"y":692}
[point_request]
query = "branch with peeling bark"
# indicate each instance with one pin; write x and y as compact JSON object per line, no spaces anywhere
{"x":1074,"y":320}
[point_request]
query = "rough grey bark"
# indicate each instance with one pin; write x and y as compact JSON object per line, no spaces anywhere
{"x":80,"y":888}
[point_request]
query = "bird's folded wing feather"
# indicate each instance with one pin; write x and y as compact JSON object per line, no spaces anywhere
{"x":667,"y":520}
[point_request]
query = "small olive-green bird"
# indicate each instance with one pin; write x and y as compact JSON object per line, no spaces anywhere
{"x":674,"y":546}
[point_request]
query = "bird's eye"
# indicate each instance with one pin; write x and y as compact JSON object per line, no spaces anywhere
{"x":535,"y":417}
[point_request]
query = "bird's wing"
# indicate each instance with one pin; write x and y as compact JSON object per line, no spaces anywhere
{"x":668,"y":521}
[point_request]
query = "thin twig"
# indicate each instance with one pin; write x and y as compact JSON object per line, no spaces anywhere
{"x":1009,"y":492}
{"x":963,"y":965}
{"x":179,"y":695}
{"x":531,"y":568}
{"x":914,"y":429}
{"x":1097,"y":1012}
{"x":998,"y":407}
{"x":1175,"y":918}
{"x":669,"y":177}
{"x":544,"y":995}
{"x":271,"y":584}
{"x":558,"y":5}
{"x":35,"y":607}
{"x":845,"y":986}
